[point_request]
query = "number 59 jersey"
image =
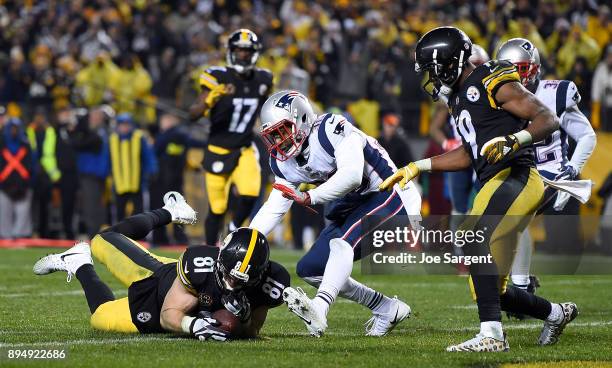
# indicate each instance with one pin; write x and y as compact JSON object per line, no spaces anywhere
{"x":233,"y":116}
{"x":196,"y":271}
{"x":478,"y":117}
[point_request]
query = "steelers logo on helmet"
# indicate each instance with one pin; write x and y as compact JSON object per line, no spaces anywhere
{"x":243,"y":47}
{"x":472,"y":94}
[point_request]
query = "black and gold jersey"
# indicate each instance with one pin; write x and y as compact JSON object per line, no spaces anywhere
{"x":197,"y":273}
{"x":478,"y":117}
{"x":233,"y":116}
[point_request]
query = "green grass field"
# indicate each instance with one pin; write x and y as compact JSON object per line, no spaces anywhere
{"x":45,"y":312}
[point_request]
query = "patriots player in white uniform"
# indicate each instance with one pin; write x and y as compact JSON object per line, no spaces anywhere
{"x":551,"y":155}
{"x":348,"y":166}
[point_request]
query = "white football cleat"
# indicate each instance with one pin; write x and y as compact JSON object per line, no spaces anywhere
{"x":481,"y":344}
{"x":551,"y":331}
{"x":181,"y":212}
{"x":68,"y":261}
{"x":382,"y":323}
{"x":303,"y":307}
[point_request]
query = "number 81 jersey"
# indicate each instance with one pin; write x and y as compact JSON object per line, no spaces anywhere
{"x":478,"y":117}
{"x":196,"y":271}
{"x":233,"y":116}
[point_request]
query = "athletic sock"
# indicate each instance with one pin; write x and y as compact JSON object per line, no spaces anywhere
{"x":138,"y":226}
{"x":556,"y":313}
{"x":492,"y":329}
{"x":337,"y":271}
{"x":96,"y":291}
{"x":366,"y":296}
{"x":522,"y":261}
{"x":519,"y":301}
{"x":487,"y":297}
{"x":243,"y":209}
{"x":212,"y":226}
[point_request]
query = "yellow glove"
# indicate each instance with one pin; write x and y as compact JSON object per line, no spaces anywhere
{"x":499,"y":147}
{"x":215,"y":94}
{"x":401,"y":176}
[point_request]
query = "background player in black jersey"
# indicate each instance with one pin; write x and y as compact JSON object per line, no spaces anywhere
{"x":166,"y":295}
{"x":231,"y":97}
{"x":491,"y":110}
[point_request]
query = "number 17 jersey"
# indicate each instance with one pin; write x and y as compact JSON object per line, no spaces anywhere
{"x":478,"y":117}
{"x":233,"y":116}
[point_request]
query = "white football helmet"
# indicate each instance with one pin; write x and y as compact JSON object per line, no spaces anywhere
{"x":522,"y":53}
{"x":286,"y":121}
{"x":479,"y":55}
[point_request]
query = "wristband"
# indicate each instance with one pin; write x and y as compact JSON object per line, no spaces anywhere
{"x":424,"y":165}
{"x":523,"y":137}
{"x":186,"y":323}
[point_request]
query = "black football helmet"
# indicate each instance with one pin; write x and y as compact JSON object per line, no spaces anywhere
{"x":443,"y":53}
{"x":243,"y":259}
{"x":243,"y":48}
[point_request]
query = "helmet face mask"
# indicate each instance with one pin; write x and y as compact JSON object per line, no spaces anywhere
{"x":525,"y":56}
{"x":443,"y":53}
{"x":242,"y":260}
{"x":287,"y":120}
{"x":243,"y":49}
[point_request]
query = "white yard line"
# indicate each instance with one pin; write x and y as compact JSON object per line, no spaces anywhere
{"x":135,"y":339}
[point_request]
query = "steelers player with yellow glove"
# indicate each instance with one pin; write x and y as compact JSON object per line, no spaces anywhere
{"x":231,"y":98}
{"x":499,"y":147}
{"x":406,"y":174}
{"x":214,"y":95}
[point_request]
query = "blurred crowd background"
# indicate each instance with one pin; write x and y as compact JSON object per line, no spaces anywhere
{"x":75,"y":72}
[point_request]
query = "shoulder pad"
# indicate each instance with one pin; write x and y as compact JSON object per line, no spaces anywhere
{"x":496,"y":73}
{"x":332,"y":129}
{"x":210,"y":77}
{"x":564,"y":93}
{"x":572,"y":96}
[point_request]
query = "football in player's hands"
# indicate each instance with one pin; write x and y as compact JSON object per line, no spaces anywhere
{"x":228,"y":322}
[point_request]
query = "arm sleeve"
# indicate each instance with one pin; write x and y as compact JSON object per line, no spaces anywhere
{"x":350,"y":163}
{"x":272,"y":212}
{"x":579,"y":128}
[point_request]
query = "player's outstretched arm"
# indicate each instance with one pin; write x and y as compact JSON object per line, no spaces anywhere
{"x":455,"y":160}
{"x":178,"y":303}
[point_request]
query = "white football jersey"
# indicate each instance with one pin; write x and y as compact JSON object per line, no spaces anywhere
{"x":328,"y":131}
{"x":334,"y":146}
{"x":560,"y":96}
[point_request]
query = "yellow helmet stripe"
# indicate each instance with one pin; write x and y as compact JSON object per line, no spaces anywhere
{"x":247,"y":257}
{"x":244,"y":36}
